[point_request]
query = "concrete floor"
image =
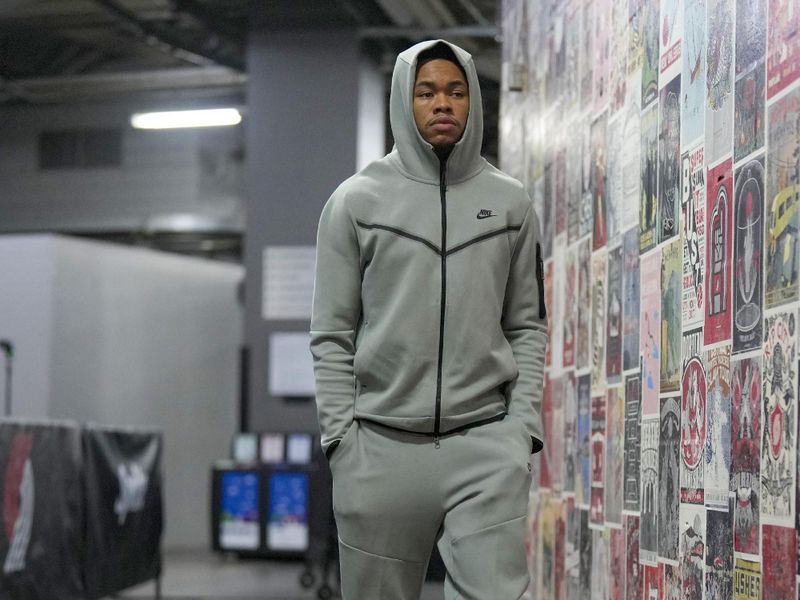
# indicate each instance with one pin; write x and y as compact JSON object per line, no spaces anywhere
{"x":206,"y":576}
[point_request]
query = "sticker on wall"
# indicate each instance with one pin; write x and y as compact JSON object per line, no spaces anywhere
{"x":669,"y":581}
{"x":693,"y":73}
{"x":778,"y":560}
{"x":584,"y":434}
{"x":693,"y":208}
{"x":650,"y":331}
{"x":633,"y":433}
{"x":669,"y":478}
{"x":648,"y":203}
{"x":651,"y":46}
{"x":717,"y":451}
{"x":671,"y":29}
{"x":599,"y":577}
{"x":596,"y":511}
{"x":598,"y":182}
{"x":583,"y":309}
{"x":671,"y":316}
{"x":747,"y":258}
{"x":648,"y":544}
{"x":692,"y":550}
{"x":751,"y":34}
{"x":600,"y":51}
{"x":614,"y":316}
{"x":719,"y":554}
{"x":669,"y":160}
{"x":693,"y":419}
{"x":783,"y":56}
{"x":783,"y":191}
{"x":749,"y":112}
{"x":746,"y":580}
{"x":614,"y":460}
{"x":630,"y":300}
{"x":633,"y":570}
{"x":585,"y":555}
{"x":616,"y":564}
{"x":719,"y":80}
{"x":599,"y":300}
{"x":570,"y":440}
{"x":570,"y":305}
{"x":746,"y":452}
{"x":719,"y":260}
{"x":778,"y":444}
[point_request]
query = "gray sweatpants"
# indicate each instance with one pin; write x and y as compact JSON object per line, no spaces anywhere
{"x":395,"y":494}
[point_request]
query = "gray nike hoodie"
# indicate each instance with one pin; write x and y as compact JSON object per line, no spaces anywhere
{"x":428,"y":311}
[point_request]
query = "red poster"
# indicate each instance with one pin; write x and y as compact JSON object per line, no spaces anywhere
{"x":778,"y":562}
{"x":548,"y":292}
{"x":719,"y":225}
{"x":633,"y":570}
{"x":783,"y":43}
{"x":616,"y":564}
{"x":547,"y":425}
{"x":650,"y":588}
{"x":596,"y":509}
{"x":669,"y":582}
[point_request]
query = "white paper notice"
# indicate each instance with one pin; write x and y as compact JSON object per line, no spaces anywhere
{"x":288,"y":282}
{"x":291,"y":366}
{"x":298,"y":449}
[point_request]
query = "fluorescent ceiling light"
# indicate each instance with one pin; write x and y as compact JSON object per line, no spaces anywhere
{"x":213,"y":117}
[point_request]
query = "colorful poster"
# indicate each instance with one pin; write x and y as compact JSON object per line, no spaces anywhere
{"x":671,"y":29}
{"x":748,"y":114}
{"x":669,"y":477}
{"x":573,"y":183}
{"x":600,"y":52}
{"x":586,"y":217}
{"x":783,"y":45}
{"x":717,"y":451}
{"x":560,"y":187}
{"x":747,"y":245}
{"x":719,"y":80}
{"x":650,"y":42}
{"x":599,"y":577}
{"x":618,"y":56}
{"x":747,"y":580}
{"x":630,"y":156}
{"x":648,"y":545}
{"x":572,"y":563}
{"x":570,"y":306}
{"x":630,"y":300}
{"x":583,"y":309}
{"x":650,"y":331}
{"x":648,"y":202}
{"x":614,"y":178}
{"x":633,"y":434}
{"x":572,"y":51}
{"x":693,"y":208}
{"x":547,"y":426}
{"x":555,"y":310}
{"x":584,"y":432}
{"x":746,"y":452}
{"x":693,"y":419}
{"x":586,"y":51}
{"x":693,"y":73}
{"x":597,"y":182}
{"x":614,"y":316}
{"x":599,"y":300}
{"x":719,"y":554}
{"x":570,"y":423}
{"x":614,"y":461}
{"x":719,"y":233}
{"x":548,"y":525}
{"x":669,"y":160}
{"x":751,"y":33}
{"x":596,"y":509}
{"x":671,"y":316}
{"x":778,"y":444}
{"x":669,"y":581}
{"x":585,"y":556}
{"x":693,"y":550}
{"x":783,"y":194}
{"x":633,"y":571}
{"x":616,"y":564}
{"x":554,"y":439}
{"x":548,"y":210}
{"x":650,"y":588}
{"x":779,"y":556}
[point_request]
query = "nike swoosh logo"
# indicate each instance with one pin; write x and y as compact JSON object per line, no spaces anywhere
{"x":485,"y":214}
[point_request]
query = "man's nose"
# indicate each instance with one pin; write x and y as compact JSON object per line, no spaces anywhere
{"x":443,"y":103}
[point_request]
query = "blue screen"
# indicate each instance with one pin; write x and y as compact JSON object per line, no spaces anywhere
{"x":288,"y":497}
{"x":240,"y":496}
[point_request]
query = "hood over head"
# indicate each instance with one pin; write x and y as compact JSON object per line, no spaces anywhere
{"x":416,"y":157}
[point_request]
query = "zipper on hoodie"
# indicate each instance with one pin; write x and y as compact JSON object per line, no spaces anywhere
{"x":443,"y":297}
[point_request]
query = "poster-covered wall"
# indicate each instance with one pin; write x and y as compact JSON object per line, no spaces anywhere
{"x":660,"y":143}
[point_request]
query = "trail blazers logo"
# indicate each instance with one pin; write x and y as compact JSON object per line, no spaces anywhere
{"x":132,"y":490}
{"x":18,"y":496}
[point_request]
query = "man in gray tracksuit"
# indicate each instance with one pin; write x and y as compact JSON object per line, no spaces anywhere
{"x":428,"y":334}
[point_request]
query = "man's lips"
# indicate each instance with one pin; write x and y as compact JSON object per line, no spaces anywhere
{"x":443,"y":124}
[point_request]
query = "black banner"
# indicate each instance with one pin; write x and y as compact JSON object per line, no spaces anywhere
{"x":124,"y":512}
{"x":40,"y":542}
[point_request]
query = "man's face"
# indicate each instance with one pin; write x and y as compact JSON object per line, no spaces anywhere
{"x":441,"y":102}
